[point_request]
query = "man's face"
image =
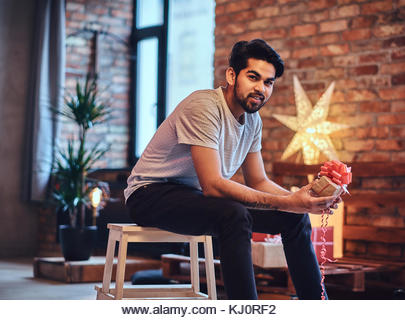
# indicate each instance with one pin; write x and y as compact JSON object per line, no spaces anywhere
{"x":254,"y":84}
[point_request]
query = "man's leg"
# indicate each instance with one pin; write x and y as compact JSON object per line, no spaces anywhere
{"x":185,"y":210}
{"x":295,"y":231}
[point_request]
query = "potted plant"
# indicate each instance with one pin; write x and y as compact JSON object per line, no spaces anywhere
{"x":72,"y":187}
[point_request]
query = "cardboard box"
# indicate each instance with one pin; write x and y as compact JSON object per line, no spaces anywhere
{"x":271,"y":254}
{"x":268,"y":255}
{"x":326,"y":187}
{"x":261,"y":237}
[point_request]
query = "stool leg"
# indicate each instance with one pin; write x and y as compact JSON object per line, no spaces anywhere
{"x":209,"y":268}
{"x":109,"y":261}
{"x":120,"y":276}
{"x":194,"y":269}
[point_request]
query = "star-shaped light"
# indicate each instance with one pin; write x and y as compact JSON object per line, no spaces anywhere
{"x":312,"y":129}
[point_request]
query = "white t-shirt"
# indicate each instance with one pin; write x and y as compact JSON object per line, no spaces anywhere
{"x":203,"y":119}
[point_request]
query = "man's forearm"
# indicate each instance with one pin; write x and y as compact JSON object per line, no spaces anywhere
{"x":300,"y":201}
{"x":266,"y":185}
{"x":249,"y":196}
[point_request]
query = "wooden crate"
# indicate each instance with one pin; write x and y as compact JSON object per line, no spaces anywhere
{"x":351,"y":273}
{"x":365,"y":234}
{"x":177,"y":267}
{"x":348,"y":274}
{"x":56,"y":268}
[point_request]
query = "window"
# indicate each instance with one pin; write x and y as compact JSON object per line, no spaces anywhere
{"x":148,"y":70}
{"x":173,"y":42}
{"x":190,"y":49}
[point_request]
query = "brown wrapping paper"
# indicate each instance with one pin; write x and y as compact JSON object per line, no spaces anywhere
{"x":325,"y":187}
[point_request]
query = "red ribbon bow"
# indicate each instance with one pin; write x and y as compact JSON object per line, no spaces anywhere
{"x":340,"y":174}
{"x":337,"y":171}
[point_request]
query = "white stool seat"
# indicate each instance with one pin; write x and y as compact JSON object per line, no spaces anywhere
{"x":124,"y":233}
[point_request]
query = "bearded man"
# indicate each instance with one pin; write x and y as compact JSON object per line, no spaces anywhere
{"x":182,"y":182}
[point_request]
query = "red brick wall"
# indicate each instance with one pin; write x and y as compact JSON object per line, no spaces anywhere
{"x":361,"y":46}
{"x":390,"y":215}
{"x":114,"y":17}
{"x":358,"y":44}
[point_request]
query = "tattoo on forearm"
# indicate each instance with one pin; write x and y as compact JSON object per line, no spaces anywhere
{"x":258,"y":205}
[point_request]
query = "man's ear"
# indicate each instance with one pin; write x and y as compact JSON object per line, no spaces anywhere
{"x":230,"y":76}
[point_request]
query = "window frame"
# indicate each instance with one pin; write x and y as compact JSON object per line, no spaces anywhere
{"x":161,"y":33}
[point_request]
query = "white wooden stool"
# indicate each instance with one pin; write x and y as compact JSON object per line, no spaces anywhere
{"x":124,"y":233}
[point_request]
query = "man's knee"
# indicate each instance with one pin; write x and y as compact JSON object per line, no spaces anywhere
{"x":305,"y":221}
{"x":237,"y":213}
{"x":235,"y":218}
{"x":298,"y":223}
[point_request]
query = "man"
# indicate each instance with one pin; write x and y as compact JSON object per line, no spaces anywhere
{"x":181,"y":182}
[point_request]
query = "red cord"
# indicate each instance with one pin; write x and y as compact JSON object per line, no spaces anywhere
{"x":324,"y":224}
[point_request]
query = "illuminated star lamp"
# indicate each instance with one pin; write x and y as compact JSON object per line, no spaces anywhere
{"x":311,"y":138}
{"x":311,"y":127}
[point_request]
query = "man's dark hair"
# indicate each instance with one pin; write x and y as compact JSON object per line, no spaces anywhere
{"x":257,"y":49}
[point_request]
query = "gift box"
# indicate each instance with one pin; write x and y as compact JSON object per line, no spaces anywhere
{"x":325,"y":187}
{"x":316,"y":238}
{"x":334,"y":178}
{"x":260,"y":237}
{"x":268,"y":254}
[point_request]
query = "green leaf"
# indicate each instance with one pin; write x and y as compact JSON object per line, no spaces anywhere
{"x":72,"y":164}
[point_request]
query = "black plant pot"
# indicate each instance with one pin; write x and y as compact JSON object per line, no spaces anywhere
{"x":77,"y":243}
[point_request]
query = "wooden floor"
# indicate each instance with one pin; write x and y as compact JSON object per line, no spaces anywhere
{"x":17,"y":282}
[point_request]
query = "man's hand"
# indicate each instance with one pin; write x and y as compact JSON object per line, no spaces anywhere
{"x":208,"y":168}
{"x":335,"y":204}
{"x":304,"y":200}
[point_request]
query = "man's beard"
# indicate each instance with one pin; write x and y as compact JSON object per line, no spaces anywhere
{"x":244,"y":101}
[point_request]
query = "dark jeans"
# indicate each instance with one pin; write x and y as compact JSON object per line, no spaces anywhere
{"x":185,"y":210}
